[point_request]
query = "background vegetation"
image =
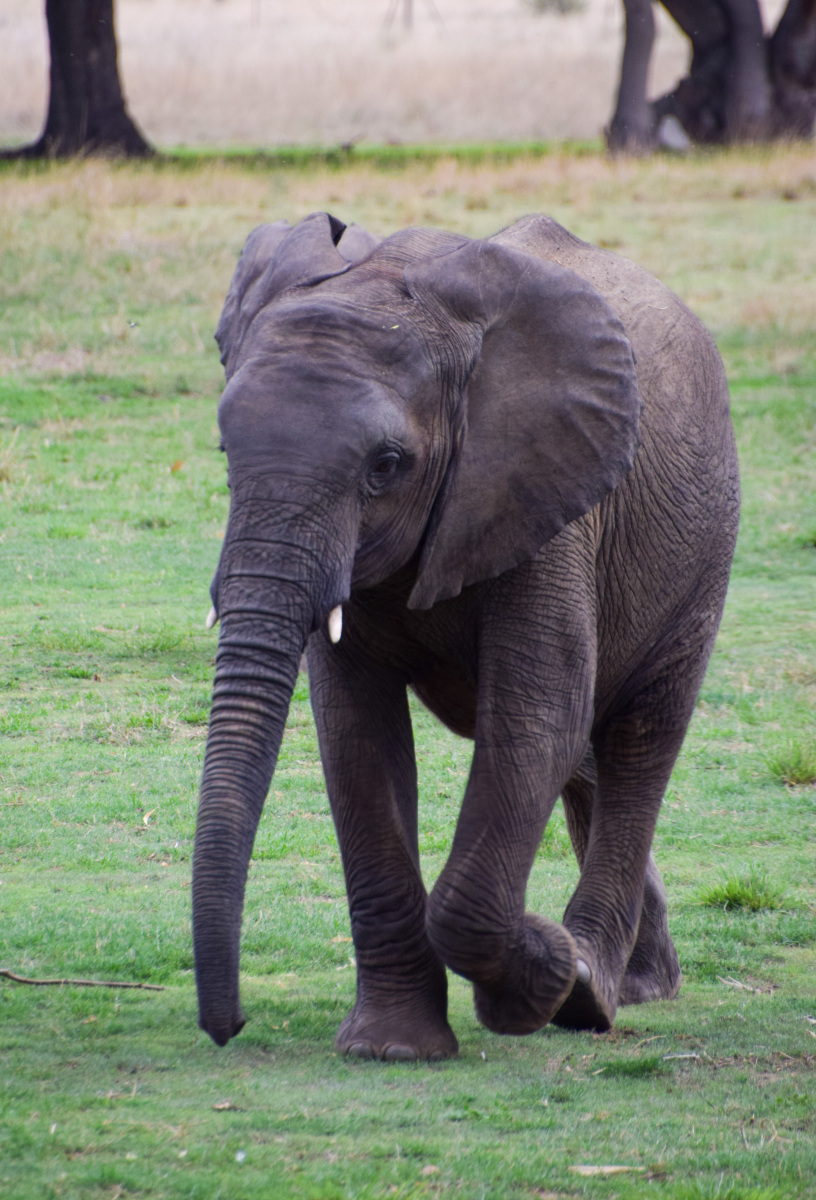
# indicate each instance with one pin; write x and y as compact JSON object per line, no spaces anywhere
{"x":266,"y":72}
{"x":112,"y":503}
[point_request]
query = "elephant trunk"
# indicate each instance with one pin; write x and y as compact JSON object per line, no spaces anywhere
{"x":271,"y":594}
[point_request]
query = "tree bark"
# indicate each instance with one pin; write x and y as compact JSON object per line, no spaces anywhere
{"x":86,"y":108}
{"x":792,"y":53}
{"x":741,"y":86}
{"x":632,"y":127}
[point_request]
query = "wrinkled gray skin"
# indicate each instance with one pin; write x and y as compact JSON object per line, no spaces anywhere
{"x":449,"y":438}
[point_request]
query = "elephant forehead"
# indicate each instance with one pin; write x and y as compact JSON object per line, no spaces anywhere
{"x":274,"y":386}
{"x":340,"y":336}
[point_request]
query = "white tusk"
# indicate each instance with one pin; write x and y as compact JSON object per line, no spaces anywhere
{"x":336,"y":623}
{"x":583,"y":972}
{"x":212,"y":617}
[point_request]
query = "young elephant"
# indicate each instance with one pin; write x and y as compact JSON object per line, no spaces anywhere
{"x":501,"y":473}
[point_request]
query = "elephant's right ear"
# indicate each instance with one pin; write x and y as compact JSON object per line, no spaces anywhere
{"x":274,"y":258}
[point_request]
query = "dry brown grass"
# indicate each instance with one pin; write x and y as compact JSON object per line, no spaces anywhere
{"x":730,"y":232}
{"x":263,"y":72}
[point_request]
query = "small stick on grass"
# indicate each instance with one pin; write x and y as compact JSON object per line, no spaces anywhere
{"x":147,"y":987}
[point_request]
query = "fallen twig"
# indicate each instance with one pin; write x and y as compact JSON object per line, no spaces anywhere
{"x":759,"y":1145}
{"x":147,"y":987}
{"x":729,"y":981}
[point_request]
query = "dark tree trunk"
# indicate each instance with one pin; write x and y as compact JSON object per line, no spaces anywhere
{"x":632,"y":128}
{"x":741,"y":85}
{"x":86,"y":108}
{"x":792,"y":54}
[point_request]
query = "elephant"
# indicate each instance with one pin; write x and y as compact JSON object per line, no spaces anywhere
{"x":500,"y":473}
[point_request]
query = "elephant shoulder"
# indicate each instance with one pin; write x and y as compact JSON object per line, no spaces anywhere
{"x":541,"y":236}
{"x":665,"y":334}
{"x":679,"y":369}
{"x":627,"y":288}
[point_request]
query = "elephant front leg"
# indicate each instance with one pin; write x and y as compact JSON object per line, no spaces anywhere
{"x":534,"y":715}
{"x":366,"y":745}
{"x":522,"y":965}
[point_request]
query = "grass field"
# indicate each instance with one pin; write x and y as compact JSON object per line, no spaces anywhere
{"x":112,"y":504}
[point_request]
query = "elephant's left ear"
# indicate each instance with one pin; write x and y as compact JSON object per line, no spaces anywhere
{"x":552,"y":408}
{"x":276,"y":257}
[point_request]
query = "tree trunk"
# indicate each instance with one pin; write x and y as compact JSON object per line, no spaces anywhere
{"x":792,"y":53}
{"x":631,"y":128}
{"x":86,"y":108}
{"x":741,"y":86}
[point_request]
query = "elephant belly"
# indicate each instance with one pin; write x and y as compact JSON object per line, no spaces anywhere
{"x":449,"y":696}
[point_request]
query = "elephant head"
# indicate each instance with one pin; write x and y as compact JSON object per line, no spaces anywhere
{"x":429,"y":403}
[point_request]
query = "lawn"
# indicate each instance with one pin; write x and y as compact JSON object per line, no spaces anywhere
{"x":112,"y":505}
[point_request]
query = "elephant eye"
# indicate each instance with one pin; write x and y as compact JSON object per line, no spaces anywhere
{"x":383,"y":468}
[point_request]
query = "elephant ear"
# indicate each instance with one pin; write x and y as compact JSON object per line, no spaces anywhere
{"x":357,"y":243}
{"x":551,"y":411}
{"x":274,"y":258}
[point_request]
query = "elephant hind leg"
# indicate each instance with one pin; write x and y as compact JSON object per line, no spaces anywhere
{"x":653,"y":971}
{"x":636,"y":747}
{"x":635,"y":750}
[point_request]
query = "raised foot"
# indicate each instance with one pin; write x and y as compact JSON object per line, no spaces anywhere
{"x":585,"y":1007}
{"x":538,"y":978}
{"x":395,"y":1035}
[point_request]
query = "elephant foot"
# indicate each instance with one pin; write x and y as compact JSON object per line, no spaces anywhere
{"x":540,"y":976}
{"x":653,"y":970}
{"x":588,"y":1005}
{"x":396,"y":1033}
{"x":651,"y":976}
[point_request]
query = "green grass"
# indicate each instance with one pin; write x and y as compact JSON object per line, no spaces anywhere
{"x":112,"y":506}
{"x":348,"y":154}
{"x":751,"y":890}
{"x":794,"y":762}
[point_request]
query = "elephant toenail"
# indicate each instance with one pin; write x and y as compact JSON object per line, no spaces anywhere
{"x":582,"y":971}
{"x":360,"y":1050}
{"x":437,"y":1056}
{"x":400,"y":1053}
